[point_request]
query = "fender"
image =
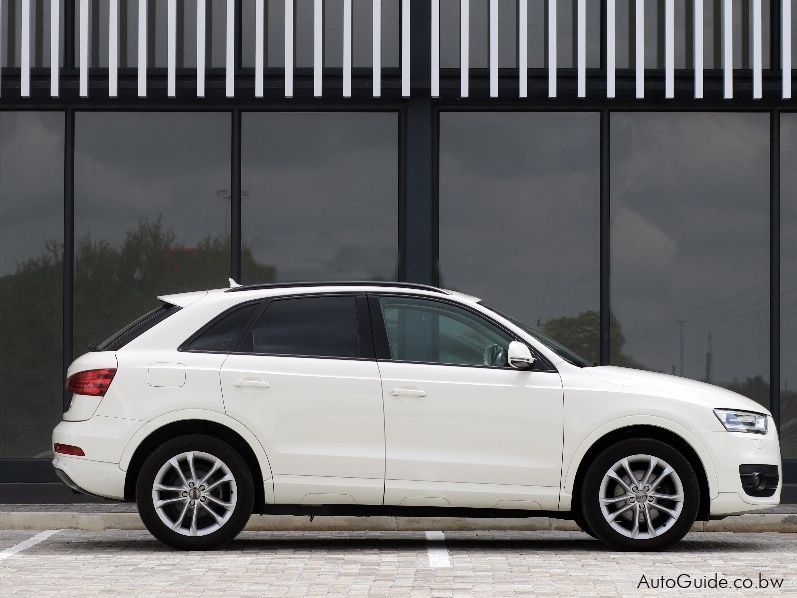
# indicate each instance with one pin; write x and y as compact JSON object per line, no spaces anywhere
{"x":206,"y":415}
{"x":570,"y":469}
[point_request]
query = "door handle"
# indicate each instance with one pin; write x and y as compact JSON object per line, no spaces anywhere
{"x":250,"y":383}
{"x":408,"y":392}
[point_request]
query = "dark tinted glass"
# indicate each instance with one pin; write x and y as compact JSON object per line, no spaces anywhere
{"x":224,"y":334}
{"x":31,"y":267}
{"x":311,"y":326}
{"x":788,"y":285}
{"x":151,"y":212}
{"x":690,"y":246}
{"x":320,"y":196}
{"x":137,"y":328}
{"x":519,"y":218}
{"x":436,"y":332}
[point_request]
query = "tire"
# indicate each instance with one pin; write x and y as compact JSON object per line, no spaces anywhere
{"x":581,"y":522}
{"x":623,"y":514}
{"x":200,"y":510}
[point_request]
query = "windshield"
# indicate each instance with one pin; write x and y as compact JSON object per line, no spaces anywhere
{"x":568,"y":355}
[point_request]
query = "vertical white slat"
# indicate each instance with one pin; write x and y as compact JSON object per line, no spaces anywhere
{"x":171,"y":46}
{"x":581,"y":46}
{"x":259,"y":47}
{"x":493,"y":48}
{"x":727,"y":48}
{"x":669,"y":49}
{"x":376,"y":50}
{"x":639,"y":36}
{"x":435,"y":48}
{"x":24,"y":62}
{"x":142,"y":48}
{"x":84,"y":48}
{"x":288,"y":48}
{"x":230,"y":70}
{"x":200,"y":48}
{"x":346,"y":48}
{"x":756,"y":49}
{"x":698,"y":48}
{"x":464,"y":48}
{"x":523,"y":48}
{"x":55,"y":46}
{"x":786,"y":48}
{"x":318,"y":47}
{"x":610,"y":48}
{"x":405,"y":48}
{"x":113,"y":48}
{"x":552,"y":48}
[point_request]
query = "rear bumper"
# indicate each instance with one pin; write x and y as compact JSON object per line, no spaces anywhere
{"x":91,"y":477}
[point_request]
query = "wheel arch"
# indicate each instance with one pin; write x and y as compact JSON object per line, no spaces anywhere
{"x":656,"y":432}
{"x":242,"y":441}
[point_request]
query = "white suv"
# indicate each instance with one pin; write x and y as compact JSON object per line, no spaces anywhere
{"x":377,"y":398}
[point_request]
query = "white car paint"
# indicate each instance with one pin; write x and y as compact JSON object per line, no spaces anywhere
{"x":329,"y":431}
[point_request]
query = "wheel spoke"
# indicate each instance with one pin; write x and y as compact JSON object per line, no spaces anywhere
{"x":624,"y":509}
{"x":631,"y":477}
{"x":193,"y":519}
{"x":651,"y":467}
{"x":620,"y":481}
{"x":664,"y":474}
{"x":672,"y":497}
{"x":226,"y":505}
{"x":635,"y":529}
{"x":190,"y":458}
{"x":670,"y":512}
{"x":218,"y":517}
{"x":168,"y":501}
{"x":651,"y":528}
{"x":213,"y":470}
{"x":163,"y":488}
{"x":179,"y":521}
{"x":176,"y":465}
{"x":227,"y":478}
{"x":615,"y":499}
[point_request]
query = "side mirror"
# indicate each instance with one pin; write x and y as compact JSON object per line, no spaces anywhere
{"x":519,"y":356}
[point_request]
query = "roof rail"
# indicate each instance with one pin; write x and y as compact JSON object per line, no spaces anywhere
{"x":344,"y":283}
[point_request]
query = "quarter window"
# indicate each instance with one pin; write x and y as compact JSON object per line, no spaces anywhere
{"x":223,"y":334}
{"x":435,"y":332}
{"x":307,"y":326}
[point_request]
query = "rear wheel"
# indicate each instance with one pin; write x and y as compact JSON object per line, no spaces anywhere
{"x":195,"y":493}
{"x":640,"y":494}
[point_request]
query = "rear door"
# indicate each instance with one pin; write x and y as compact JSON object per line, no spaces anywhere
{"x":305,"y":380}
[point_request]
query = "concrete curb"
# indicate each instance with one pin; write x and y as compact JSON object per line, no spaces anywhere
{"x":37,"y":521}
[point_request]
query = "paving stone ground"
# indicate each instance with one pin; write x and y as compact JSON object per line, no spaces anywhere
{"x":130,"y":563}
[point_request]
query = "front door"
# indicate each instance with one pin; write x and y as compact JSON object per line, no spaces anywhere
{"x":307,"y":384}
{"x":462,"y":428}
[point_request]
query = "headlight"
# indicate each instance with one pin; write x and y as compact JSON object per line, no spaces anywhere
{"x":742,"y":421}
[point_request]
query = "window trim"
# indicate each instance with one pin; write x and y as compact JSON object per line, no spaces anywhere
{"x":365,"y":338}
{"x":382,"y":345}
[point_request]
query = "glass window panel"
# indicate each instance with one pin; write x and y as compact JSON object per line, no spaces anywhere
{"x":152,"y":213}
{"x":690,"y":291}
{"x":40,"y":33}
{"x":31,"y":274}
{"x":788,"y":285}
{"x":519,"y":205}
{"x":310,"y":326}
{"x":436,"y":332}
{"x":320,"y":196}
{"x":224,"y":334}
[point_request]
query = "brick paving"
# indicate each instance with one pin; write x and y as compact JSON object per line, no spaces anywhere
{"x":130,"y":563}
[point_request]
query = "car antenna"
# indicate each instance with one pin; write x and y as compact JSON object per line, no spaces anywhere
{"x":233,"y":284}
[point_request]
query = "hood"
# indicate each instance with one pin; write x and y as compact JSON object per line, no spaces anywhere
{"x":652,"y":383}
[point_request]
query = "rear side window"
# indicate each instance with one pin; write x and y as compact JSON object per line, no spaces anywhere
{"x":137,"y":328}
{"x":307,"y":326}
{"x":223,"y":335}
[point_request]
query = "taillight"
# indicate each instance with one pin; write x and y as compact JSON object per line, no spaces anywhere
{"x":94,"y":383}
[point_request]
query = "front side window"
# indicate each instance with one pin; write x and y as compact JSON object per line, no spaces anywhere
{"x":435,"y":332}
{"x":307,"y":326}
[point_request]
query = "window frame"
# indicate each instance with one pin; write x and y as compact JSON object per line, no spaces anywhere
{"x":365,"y":336}
{"x":382,"y":345}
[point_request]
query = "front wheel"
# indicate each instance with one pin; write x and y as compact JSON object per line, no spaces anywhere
{"x":640,"y":494}
{"x":195,"y":493}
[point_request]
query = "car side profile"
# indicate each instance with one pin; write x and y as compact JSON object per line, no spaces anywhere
{"x":393,"y":398}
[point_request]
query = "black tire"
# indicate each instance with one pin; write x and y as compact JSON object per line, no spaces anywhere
{"x":582,"y":523}
{"x":667,"y":535}
{"x":242,"y":489}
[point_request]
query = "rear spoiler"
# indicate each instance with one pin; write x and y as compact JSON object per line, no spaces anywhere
{"x":183,"y":299}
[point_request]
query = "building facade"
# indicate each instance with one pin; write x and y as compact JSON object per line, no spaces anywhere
{"x":621,"y":173}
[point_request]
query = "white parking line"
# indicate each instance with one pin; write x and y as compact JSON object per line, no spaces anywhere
{"x":437,"y":551}
{"x":25,"y":544}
